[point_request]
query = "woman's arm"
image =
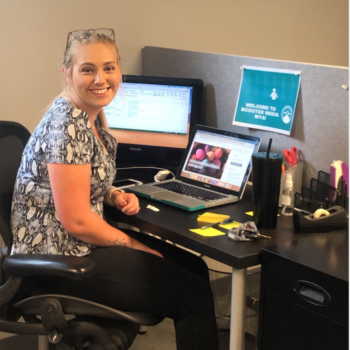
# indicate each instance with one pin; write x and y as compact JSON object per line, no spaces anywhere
{"x":71,"y":193}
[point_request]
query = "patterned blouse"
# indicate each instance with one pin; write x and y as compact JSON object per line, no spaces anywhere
{"x":63,"y":136}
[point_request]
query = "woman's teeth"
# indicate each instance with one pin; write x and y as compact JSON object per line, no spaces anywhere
{"x":99,"y":91}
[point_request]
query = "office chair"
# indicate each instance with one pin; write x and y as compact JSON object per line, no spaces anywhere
{"x":93,"y":326}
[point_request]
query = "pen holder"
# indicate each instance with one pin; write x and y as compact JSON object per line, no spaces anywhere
{"x":297,"y":175}
{"x":321,"y":195}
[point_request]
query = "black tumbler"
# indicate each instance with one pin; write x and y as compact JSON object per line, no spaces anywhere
{"x":266,"y":188}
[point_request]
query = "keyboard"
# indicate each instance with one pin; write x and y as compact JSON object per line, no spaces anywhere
{"x":190,"y":191}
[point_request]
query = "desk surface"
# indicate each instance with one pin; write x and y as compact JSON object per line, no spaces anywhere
{"x":173,"y":224}
{"x":330,"y":253}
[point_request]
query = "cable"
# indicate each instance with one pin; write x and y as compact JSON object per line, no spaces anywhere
{"x":147,"y":167}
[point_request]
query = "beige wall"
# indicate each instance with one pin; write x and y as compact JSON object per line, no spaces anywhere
{"x":33,"y":36}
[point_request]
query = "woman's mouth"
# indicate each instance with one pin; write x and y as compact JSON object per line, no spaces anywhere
{"x":99,"y":92}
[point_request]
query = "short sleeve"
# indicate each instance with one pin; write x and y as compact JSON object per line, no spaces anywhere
{"x":67,"y":136}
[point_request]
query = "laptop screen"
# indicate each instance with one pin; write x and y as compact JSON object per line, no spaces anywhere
{"x":219,"y":160}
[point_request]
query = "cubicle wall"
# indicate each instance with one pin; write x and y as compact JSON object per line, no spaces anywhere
{"x":321,"y":125}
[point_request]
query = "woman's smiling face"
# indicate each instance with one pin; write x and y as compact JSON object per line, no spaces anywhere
{"x":95,"y":77}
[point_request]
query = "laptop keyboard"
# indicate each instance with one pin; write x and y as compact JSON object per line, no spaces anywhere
{"x":190,"y":191}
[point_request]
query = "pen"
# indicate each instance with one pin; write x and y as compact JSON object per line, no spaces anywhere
{"x":226,"y":221}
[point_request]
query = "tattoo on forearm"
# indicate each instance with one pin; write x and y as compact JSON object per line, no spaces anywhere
{"x":118,"y":242}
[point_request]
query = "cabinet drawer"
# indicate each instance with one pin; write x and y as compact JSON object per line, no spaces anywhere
{"x":309,"y":288}
{"x":286,"y":326}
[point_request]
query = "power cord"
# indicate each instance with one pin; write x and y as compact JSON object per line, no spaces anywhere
{"x":160,"y":176}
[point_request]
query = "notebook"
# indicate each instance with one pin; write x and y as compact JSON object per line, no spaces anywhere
{"x":215,"y":166}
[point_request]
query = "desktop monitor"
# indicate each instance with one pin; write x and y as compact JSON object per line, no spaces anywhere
{"x":152,"y":118}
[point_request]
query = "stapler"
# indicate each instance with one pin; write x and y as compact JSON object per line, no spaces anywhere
{"x":322,"y":220}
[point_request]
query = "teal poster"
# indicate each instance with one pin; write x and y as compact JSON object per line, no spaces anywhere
{"x":267,"y":99}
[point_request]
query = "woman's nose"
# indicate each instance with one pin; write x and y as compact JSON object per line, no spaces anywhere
{"x":100,"y":78}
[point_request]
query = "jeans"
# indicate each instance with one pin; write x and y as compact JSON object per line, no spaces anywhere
{"x":176,"y":287}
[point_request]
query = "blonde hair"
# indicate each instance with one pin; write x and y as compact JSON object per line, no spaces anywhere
{"x":72,"y":47}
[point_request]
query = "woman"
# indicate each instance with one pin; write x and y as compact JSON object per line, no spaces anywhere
{"x":66,"y":175}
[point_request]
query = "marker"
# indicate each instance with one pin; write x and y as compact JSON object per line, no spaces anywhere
{"x":226,"y":221}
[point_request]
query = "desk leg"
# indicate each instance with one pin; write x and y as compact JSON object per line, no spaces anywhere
{"x":237,"y":333}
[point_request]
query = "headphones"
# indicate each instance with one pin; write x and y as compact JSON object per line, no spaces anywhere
{"x":161,"y":175}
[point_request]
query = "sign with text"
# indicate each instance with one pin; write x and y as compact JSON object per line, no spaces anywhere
{"x":267,"y":99}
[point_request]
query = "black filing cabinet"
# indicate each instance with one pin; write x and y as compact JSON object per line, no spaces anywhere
{"x":304,"y":294}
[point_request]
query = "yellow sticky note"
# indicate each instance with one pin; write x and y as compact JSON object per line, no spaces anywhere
{"x":208,"y":232}
{"x":212,"y":218}
{"x":233,"y":224}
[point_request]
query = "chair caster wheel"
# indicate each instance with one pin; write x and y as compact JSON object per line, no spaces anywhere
{"x":142,"y":330}
{"x":54,"y":338}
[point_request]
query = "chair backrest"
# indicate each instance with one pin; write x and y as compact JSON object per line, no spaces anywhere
{"x":13,"y":138}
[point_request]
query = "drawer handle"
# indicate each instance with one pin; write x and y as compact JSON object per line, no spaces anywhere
{"x":312,"y":293}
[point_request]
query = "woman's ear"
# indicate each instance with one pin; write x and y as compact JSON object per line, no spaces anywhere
{"x":65,"y":72}
{"x":65,"y":75}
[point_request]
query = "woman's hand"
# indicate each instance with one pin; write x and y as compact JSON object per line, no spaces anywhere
{"x":152,"y":251}
{"x":128,"y":203}
{"x":140,"y":246}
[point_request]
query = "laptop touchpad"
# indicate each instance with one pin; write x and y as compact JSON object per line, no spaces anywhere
{"x":147,"y":189}
{"x":177,"y":198}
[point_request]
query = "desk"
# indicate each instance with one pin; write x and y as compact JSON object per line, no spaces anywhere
{"x":173,"y":224}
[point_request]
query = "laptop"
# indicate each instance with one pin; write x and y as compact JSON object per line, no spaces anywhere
{"x":214,"y":170}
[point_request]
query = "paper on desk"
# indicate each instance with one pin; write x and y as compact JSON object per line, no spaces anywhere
{"x":233,"y":224}
{"x":212,"y":218}
{"x":208,"y":232}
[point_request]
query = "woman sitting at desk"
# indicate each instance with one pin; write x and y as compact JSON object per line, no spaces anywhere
{"x":65,"y":176}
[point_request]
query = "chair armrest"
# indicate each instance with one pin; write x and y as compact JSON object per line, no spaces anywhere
{"x":28,"y":265}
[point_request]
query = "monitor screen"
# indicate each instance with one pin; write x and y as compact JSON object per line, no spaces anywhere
{"x":152,"y":117}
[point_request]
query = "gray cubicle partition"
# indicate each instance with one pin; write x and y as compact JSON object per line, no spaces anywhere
{"x":321,"y":125}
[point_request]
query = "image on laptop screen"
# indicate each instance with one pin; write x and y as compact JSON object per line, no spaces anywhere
{"x":219,"y":160}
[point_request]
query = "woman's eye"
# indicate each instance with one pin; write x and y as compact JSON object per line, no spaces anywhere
{"x":86,"y":70}
{"x":110,"y":69}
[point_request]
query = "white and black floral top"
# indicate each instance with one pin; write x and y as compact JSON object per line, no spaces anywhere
{"x":63,"y":136}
